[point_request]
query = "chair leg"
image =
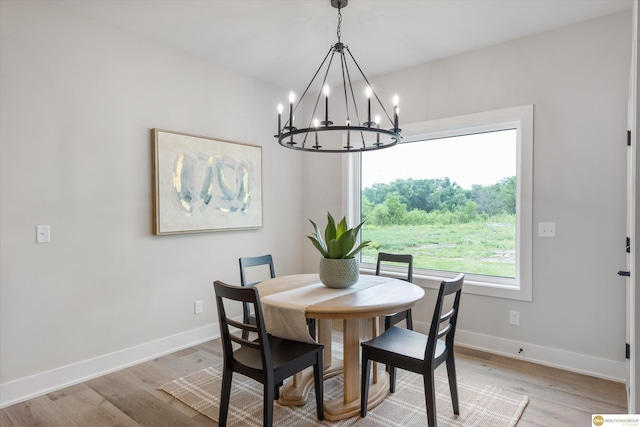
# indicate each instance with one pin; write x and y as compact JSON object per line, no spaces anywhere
{"x":276,"y":390}
{"x":392,"y":378}
{"x":225,"y":395}
{"x":409,"y":320}
{"x":267,"y":413}
{"x":364,"y":385}
{"x":430,"y":397}
{"x":387,"y":322}
{"x":453,"y":385}
{"x":319,"y":383}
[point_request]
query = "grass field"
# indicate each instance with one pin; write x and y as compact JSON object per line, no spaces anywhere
{"x":480,"y":248}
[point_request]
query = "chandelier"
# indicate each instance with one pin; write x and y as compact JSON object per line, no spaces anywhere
{"x":354,"y":132}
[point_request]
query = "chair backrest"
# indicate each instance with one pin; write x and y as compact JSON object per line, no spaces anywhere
{"x":444,"y":325}
{"x":396,"y":258}
{"x":225,"y":294}
{"x":248,"y":262}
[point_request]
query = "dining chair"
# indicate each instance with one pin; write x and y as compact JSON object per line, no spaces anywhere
{"x":268,"y":359}
{"x":247,"y":263}
{"x":406,"y":349}
{"x":407,"y":259}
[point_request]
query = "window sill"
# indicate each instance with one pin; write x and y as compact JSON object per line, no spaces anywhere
{"x":472,"y":284}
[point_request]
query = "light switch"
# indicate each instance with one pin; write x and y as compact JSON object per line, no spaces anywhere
{"x":43,"y":233}
{"x":547,"y":229}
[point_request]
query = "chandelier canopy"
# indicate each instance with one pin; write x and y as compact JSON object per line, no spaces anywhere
{"x":325,"y":134}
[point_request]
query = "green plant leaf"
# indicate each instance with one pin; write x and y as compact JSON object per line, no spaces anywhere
{"x":357,"y":228}
{"x":318,"y":246}
{"x":330,"y":230}
{"x":318,"y":236}
{"x":358,"y":249}
{"x":342,"y":228}
{"x":347,"y":241}
{"x":338,"y":241}
{"x":335,"y":250}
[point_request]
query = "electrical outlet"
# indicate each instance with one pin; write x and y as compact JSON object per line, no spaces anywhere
{"x":197,"y":307}
{"x":514,"y":317}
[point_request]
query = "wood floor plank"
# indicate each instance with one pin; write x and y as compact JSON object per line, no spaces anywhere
{"x":130,"y":397}
{"x":87,"y":408}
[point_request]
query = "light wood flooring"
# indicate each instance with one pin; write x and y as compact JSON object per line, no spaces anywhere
{"x":130,"y":397}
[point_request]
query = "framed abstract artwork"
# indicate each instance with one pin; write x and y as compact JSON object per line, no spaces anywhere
{"x":205,"y":184}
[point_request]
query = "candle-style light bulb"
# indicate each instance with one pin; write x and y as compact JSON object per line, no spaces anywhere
{"x":377,"y":119}
{"x":325,"y":90}
{"x":280,"y":109}
{"x":368,"y":92}
{"x":348,"y":134}
{"x":396,"y":110}
{"x":316,"y":123}
{"x":292,"y":97}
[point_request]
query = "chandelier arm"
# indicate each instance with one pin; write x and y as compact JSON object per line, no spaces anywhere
{"x":311,"y":82}
{"x":369,"y":84}
{"x":353,"y":97}
{"x":324,"y":80}
{"x":326,"y":122}
{"x":344,"y":85}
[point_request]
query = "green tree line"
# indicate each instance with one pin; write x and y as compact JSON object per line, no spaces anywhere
{"x":436,"y":201}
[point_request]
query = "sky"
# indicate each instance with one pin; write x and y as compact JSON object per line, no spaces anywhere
{"x":484,"y":159}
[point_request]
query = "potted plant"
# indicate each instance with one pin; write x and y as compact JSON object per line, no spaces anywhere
{"x":338,"y":267}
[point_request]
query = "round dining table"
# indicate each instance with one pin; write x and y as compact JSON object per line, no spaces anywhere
{"x":287,"y":301}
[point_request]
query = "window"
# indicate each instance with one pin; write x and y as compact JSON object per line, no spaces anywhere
{"x":457,"y":195}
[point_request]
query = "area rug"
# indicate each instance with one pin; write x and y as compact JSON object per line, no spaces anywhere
{"x":480,"y":404}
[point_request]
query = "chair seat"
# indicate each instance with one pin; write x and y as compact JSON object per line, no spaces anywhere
{"x":283,"y":352}
{"x":400,"y":343}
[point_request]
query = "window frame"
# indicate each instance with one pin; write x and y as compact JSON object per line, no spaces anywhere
{"x":520,"y":118}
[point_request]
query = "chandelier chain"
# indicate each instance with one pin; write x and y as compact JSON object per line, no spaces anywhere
{"x":338,"y":32}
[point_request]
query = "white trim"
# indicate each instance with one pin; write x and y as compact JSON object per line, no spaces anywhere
{"x":547,"y":356}
{"x":45,"y":382}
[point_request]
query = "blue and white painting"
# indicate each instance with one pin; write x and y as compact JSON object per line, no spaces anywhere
{"x":203,"y":184}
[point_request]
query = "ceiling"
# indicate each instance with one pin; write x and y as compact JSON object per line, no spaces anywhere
{"x":283,"y":41}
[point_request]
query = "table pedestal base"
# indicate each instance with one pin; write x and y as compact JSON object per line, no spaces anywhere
{"x":296,"y":391}
{"x":338,"y":409}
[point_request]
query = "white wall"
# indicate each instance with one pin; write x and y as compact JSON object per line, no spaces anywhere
{"x":577,"y":78}
{"x":78,"y":100}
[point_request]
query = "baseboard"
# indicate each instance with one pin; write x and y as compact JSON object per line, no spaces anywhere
{"x":45,"y":382}
{"x":36,"y":385}
{"x":547,"y":356}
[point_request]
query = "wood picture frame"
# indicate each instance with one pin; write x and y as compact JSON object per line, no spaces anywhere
{"x":204,"y":184}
